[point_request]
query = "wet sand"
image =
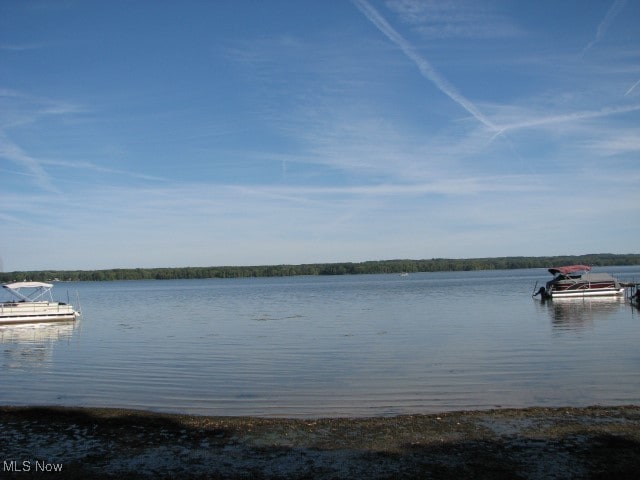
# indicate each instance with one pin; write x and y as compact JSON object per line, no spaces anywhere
{"x":532,"y":443}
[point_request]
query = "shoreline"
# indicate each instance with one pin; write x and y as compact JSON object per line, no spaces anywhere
{"x":528,"y":443}
{"x":324,"y":268}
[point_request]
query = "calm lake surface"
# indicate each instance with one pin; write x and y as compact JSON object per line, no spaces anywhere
{"x":358,"y":345}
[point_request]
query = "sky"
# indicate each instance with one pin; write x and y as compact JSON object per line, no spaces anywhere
{"x":207,"y":133}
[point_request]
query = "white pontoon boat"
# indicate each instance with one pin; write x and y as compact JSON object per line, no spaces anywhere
{"x":33,"y":302}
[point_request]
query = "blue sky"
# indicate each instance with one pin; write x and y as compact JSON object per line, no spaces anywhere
{"x":198,"y":133}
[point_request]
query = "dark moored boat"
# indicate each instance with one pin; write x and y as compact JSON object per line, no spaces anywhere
{"x":578,"y":281}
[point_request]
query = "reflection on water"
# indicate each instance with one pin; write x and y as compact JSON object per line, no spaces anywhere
{"x":31,"y":344}
{"x":580,"y":313}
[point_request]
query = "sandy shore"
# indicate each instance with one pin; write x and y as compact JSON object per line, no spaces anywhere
{"x":533,"y":443}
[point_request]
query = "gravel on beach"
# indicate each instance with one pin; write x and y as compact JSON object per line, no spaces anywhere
{"x":531,"y":443}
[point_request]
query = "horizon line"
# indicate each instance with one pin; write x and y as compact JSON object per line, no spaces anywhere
{"x":266,"y":265}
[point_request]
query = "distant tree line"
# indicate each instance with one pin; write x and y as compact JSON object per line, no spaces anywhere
{"x":348,"y":268}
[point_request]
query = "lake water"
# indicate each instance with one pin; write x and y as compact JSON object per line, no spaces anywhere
{"x":358,"y":345}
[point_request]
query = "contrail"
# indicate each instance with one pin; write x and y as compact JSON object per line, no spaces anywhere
{"x":584,"y":115}
{"x":426,"y":69}
{"x":430,"y":73}
{"x":632,"y":88}
{"x":606,"y":22}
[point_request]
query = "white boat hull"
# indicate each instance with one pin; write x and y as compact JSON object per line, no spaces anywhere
{"x":598,"y":292}
{"x":28,"y":312}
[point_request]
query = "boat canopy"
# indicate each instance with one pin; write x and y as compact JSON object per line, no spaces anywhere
{"x":569,"y":269}
{"x":38,"y":290}
{"x":15,"y":285}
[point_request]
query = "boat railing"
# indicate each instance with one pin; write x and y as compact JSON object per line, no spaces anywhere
{"x":33,"y":307}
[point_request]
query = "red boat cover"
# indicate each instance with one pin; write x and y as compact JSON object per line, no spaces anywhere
{"x":569,"y":269}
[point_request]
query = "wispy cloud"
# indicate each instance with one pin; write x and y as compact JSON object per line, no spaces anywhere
{"x":461,"y":186}
{"x":20,"y":110}
{"x":100,"y":169}
{"x":15,"y":154}
{"x":617,"y":143}
{"x":606,"y":23}
{"x":20,"y":47}
{"x":426,"y":69}
{"x":444,"y":19}
{"x":4,"y":218}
